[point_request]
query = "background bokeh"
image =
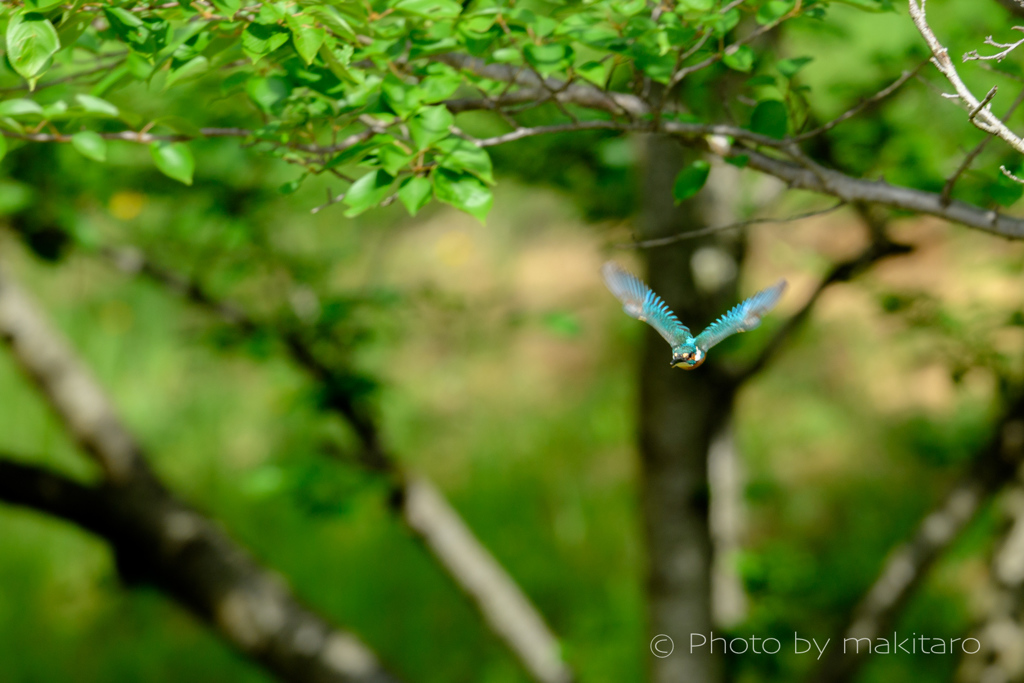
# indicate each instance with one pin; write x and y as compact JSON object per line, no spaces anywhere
{"x":503,"y":369}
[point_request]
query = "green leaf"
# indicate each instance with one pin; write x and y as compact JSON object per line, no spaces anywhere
{"x":306,"y":37}
{"x":742,"y":59}
{"x":20,"y":107}
{"x":174,"y":160}
{"x":790,"y":67}
{"x":259,"y":40}
{"x":414,"y":194}
{"x":89,"y":144}
{"x":548,"y":58}
{"x":770,"y":118}
{"x":368,"y":191}
{"x":773,"y":10}
{"x":392,"y":159}
{"x":190,"y":69}
{"x":267,"y":92}
{"x":337,"y":60}
{"x":403,"y":98}
{"x":353,"y":153}
{"x":464,"y":192}
{"x":439,"y":87}
{"x":697,"y":5}
{"x":41,"y":4}
{"x":462,"y":155}
{"x":760,"y":80}
{"x":739,"y":161}
{"x":722,"y":23}
{"x":96,"y":105}
{"x":430,"y":125}
{"x":55,"y":109}
{"x":332,"y":20}
{"x":3,"y":147}
{"x":507,"y":55}
{"x":31,"y":43}
{"x":690,"y":180}
{"x":433,"y":9}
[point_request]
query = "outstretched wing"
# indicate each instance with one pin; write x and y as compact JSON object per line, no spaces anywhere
{"x":638,"y":301}
{"x":742,"y":318}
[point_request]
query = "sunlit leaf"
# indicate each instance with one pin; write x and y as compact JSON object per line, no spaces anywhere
{"x":90,"y":144}
{"x":20,"y":107}
{"x":306,"y":37}
{"x":191,"y":69}
{"x":31,"y":43}
{"x":414,"y":194}
{"x":430,"y":125}
{"x":464,"y":192}
{"x":259,"y":40}
{"x":742,"y":59}
{"x":174,"y":160}
{"x":96,"y":105}
{"x":368,"y":191}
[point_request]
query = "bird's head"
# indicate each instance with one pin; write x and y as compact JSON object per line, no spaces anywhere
{"x":687,"y":357}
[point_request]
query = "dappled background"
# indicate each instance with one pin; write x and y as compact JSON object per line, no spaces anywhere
{"x":501,"y":368}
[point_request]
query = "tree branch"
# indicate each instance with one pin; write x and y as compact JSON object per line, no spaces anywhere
{"x":716,"y":139}
{"x":980,"y":114}
{"x":947,"y":189}
{"x":504,"y":606}
{"x":159,"y":538}
{"x":852,"y":189}
{"x":908,"y":565}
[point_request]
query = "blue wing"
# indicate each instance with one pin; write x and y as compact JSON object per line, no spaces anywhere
{"x":742,"y":318}
{"x":638,"y":301}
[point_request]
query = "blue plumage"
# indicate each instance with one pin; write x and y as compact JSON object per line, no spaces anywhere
{"x":688,"y":352}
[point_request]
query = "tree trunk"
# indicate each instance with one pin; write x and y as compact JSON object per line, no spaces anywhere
{"x":680,"y":414}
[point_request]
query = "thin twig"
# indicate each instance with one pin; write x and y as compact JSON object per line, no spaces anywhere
{"x":947,"y":189}
{"x":861,"y":106}
{"x":679,"y":237}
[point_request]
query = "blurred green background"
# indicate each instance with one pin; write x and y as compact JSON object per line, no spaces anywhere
{"x":503,"y":370}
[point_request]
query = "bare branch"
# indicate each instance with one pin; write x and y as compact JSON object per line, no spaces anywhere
{"x":861,"y":106}
{"x":578,"y":93}
{"x":693,"y":234}
{"x":715,"y":138}
{"x":947,"y":189}
{"x":504,"y":606}
{"x":853,"y":189}
{"x":1011,"y":176}
{"x":981,"y":115}
{"x":999,"y":56}
{"x":158,"y":539}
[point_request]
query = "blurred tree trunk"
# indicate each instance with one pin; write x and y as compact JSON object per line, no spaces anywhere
{"x":681,"y":413}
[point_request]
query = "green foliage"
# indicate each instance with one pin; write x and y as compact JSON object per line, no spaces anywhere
{"x":690,"y":180}
{"x":317,"y":73}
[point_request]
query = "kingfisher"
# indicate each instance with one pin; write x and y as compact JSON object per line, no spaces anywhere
{"x":688,"y":352}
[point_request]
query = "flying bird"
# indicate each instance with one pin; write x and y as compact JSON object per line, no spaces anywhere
{"x":688,"y":352}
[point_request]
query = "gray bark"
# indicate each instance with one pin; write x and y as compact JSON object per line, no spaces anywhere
{"x":157,"y":538}
{"x":680,"y":414}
